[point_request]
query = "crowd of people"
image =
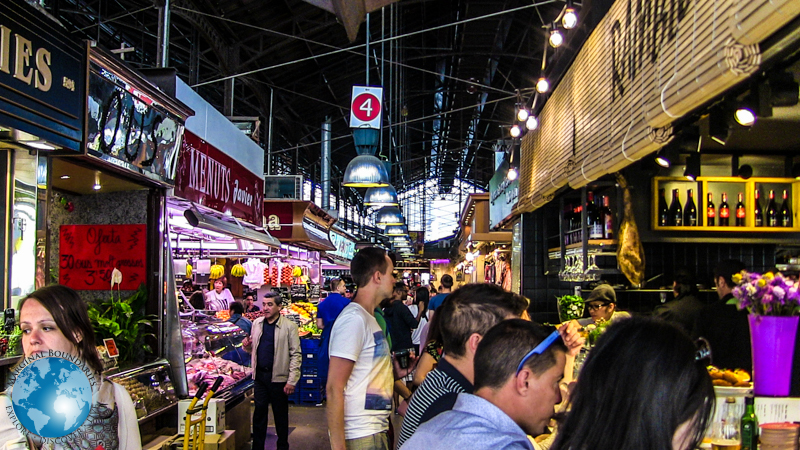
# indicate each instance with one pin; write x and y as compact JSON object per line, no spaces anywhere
{"x":466,"y":368}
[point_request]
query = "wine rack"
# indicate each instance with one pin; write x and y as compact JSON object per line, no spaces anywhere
{"x":732,"y":186}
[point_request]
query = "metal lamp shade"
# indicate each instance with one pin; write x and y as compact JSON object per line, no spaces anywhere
{"x":365,"y":171}
{"x":401,"y":238}
{"x":396,"y":230}
{"x":381,"y":196}
{"x":366,"y":140}
{"x":390,"y":215}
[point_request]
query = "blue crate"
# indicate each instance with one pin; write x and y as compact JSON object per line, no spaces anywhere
{"x":309,"y":344}
{"x":310,"y":383}
{"x":311,"y":356}
{"x":314,"y":396}
{"x":295,"y":398}
{"x":310,"y":371}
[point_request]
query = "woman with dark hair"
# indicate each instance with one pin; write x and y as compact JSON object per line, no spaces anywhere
{"x":420,"y":310}
{"x":55,"y":318}
{"x":431,"y":352}
{"x":643,"y":387}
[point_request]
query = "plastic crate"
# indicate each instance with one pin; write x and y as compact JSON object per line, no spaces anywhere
{"x":310,"y":371}
{"x":310,"y":356}
{"x":295,"y":397}
{"x":310,"y":383}
{"x":314,"y":396}
{"x":309,"y":344}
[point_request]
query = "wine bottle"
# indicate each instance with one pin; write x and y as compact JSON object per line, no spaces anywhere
{"x":786,"y":211}
{"x":758,"y":214}
{"x":741,"y":213}
{"x":595,"y":218}
{"x":663,"y":211}
{"x":690,"y":211}
{"x":568,"y":223}
{"x":711,"y":213}
{"x":724,"y":211}
{"x":749,"y":426}
{"x":608,"y":220}
{"x":772,"y":211}
{"x":675,"y":210}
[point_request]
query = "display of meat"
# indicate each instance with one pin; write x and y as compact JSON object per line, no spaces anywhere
{"x":208,"y":369}
{"x":630,"y":253}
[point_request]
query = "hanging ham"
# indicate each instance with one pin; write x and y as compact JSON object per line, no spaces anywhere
{"x":630,"y":253}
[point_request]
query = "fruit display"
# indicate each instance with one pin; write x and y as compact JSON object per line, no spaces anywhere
{"x":297,"y":271}
{"x":309,"y":328}
{"x":273,"y":274}
{"x":188,"y":270}
{"x":267,"y":277}
{"x":238,"y":271}
{"x":224,"y":314}
{"x":727,"y":377}
{"x":216,"y":271}
{"x":286,"y":275}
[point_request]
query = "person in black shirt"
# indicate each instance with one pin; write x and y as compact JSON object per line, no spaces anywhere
{"x":685,"y":308}
{"x":724,"y":326}
{"x":399,"y":319}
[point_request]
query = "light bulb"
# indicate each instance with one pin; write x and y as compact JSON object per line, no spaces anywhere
{"x":522,"y":114}
{"x":570,"y":19}
{"x":542,"y":85}
{"x":532,"y":123}
{"x":512,"y":173}
{"x":745,"y":117}
{"x":556,"y":39}
{"x":515,"y":131}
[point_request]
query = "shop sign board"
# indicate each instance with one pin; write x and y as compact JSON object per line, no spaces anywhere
{"x":213,"y":179}
{"x":503,"y":195}
{"x":646,"y":65}
{"x":42,"y":77}
{"x":130,"y":129}
{"x":345,"y":248}
{"x":88,"y":255}
{"x":366,"y":107}
{"x":279,"y":219}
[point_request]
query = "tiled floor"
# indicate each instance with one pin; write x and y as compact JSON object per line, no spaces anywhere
{"x":308,"y":428}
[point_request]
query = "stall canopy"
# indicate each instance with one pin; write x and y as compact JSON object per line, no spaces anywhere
{"x":198,"y":216}
{"x":300,"y":223}
{"x":475,"y":223}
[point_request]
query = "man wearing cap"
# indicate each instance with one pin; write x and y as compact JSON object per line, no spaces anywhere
{"x":602,"y":304}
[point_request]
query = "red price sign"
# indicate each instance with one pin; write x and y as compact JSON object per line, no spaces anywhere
{"x":88,"y":255}
{"x":366,"y":107}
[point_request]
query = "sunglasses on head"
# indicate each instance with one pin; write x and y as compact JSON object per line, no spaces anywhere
{"x":539,"y":349}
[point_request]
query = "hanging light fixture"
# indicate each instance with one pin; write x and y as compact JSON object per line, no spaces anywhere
{"x":542,"y":86}
{"x":365,"y":171}
{"x":556,"y":38}
{"x":532,"y":123}
{"x":381,"y":196}
{"x":396,"y":230}
{"x":522,"y":113}
{"x":515,"y":131}
{"x":512,"y":173}
{"x":390,"y":215}
{"x":570,"y":18}
{"x":693,"y":167}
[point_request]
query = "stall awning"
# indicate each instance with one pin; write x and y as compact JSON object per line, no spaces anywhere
{"x":206,"y":218}
{"x":300,"y":223}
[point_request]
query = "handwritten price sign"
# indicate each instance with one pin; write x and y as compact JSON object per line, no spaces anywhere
{"x":90,"y":253}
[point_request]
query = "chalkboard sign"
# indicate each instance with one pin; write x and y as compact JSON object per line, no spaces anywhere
{"x":313,"y":291}
{"x":298,"y":292}
{"x":88,"y":254}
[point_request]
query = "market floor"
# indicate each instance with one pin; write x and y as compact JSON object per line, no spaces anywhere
{"x":308,"y":428}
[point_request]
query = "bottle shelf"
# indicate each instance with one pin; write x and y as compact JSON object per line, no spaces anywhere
{"x":732,"y":186}
{"x":591,"y":243}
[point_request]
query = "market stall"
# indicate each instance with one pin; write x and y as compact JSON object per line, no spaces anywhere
{"x":484,"y":254}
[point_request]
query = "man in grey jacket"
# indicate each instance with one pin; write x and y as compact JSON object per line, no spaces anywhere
{"x":275,"y":348}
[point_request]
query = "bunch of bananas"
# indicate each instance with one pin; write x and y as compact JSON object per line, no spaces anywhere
{"x":188,"y":270}
{"x":238,"y":270}
{"x":217,"y":271}
{"x":297,"y":271}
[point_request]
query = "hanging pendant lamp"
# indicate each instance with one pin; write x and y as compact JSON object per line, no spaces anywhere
{"x":396,"y":230}
{"x":390,"y":215}
{"x":365,"y":171}
{"x":381,"y":196}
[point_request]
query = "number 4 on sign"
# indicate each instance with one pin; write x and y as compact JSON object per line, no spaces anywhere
{"x":367,"y":107}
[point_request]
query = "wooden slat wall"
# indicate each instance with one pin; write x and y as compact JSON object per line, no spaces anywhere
{"x":713,"y":47}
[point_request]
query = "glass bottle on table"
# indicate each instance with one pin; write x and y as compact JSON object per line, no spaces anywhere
{"x":595,"y":218}
{"x":786,"y":211}
{"x":711,"y":213}
{"x":608,"y":220}
{"x":724,"y":211}
{"x":741,"y":213}
{"x":725,"y":432}
{"x":690,"y":210}
{"x":758,"y":213}
{"x":663,"y":210}
{"x":749,"y":425}
{"x":772,"y":211}
{"x":675,"y":210}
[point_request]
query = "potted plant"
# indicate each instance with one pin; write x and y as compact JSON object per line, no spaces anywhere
{"x":570,"y":307}
{"x":124,"y":321}
{"x":773,"y":302}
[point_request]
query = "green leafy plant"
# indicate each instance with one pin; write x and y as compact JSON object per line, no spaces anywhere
{"x":570,"y":307}
{"x":596,"y":330}
{"x":125,"y":322}
{"x":15,"y":342}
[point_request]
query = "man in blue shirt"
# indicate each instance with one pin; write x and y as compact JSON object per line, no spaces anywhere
{"x":330,"y":307}
{"x":517,"y":372}
{"x":444,"y":291}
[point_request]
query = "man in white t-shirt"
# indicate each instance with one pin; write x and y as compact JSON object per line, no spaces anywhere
{"x":360,"y":377}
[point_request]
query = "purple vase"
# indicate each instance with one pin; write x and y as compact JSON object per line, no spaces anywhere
{"x":772,"y":341}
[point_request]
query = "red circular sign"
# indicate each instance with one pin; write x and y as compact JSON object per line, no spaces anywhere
{"x":366,"y":107}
